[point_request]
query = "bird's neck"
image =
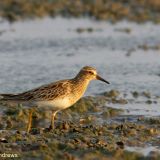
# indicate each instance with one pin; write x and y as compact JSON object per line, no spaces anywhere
{"x":81,"y":83}
{"x":78,"y":87}
{"x":80,"y":78}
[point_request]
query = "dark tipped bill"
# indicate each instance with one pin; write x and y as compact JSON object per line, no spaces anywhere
{"x":101,"y":79}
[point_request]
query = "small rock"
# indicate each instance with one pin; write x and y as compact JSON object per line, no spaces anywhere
{"x":65,"y":126}
{"x":120,"y":144}
{"x":3,"y":140}
{"x":112,"y":93}
{"x":135,"y":94}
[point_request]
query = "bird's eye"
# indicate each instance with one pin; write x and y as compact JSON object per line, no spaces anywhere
{"x":90,"y":72}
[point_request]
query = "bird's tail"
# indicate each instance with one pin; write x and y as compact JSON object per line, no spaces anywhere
{"x":6,"y":97}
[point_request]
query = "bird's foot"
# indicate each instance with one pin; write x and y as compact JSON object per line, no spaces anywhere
{"x":49,"y":129}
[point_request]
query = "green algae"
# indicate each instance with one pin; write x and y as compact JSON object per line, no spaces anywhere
{"x":111,"y":112}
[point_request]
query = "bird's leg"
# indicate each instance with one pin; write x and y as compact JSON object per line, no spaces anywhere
{"x":52,"y":120}
{"x":29,"y":121}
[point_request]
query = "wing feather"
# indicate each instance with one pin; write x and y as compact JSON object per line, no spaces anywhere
{"x":45,"y":92}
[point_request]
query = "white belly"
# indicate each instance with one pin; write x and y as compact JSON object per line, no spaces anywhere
{"x":56,"y":104}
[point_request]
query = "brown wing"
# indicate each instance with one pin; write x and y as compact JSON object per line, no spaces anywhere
{"x":46,"y":92}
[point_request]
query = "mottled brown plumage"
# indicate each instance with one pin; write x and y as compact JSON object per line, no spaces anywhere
{"x":45,"y":92}
{"x":55,"y":96}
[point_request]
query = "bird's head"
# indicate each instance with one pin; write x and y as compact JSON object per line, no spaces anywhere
{"x":90,"y":73}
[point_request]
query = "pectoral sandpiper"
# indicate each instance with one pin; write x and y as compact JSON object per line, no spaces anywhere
{"x":55,"y":96}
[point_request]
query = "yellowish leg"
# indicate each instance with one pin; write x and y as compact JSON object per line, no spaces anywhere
{"x":52,"y":119}
{"x":29,"y":121}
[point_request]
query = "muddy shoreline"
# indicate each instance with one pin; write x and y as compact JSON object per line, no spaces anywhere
{"x":113,"y":11}
{"x":91,"y":128}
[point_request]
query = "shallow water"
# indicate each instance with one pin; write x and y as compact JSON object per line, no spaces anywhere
{"x":145,"y":150}
{"x":140,"y":106}
{"x":41,"y":51}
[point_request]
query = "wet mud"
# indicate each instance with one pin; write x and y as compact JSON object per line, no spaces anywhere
{"x":92,"y":128}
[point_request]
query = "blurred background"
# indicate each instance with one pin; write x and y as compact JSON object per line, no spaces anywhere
{"x":47,"y":40}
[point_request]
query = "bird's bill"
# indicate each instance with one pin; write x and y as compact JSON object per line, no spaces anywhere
{"x":101,"y":79}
